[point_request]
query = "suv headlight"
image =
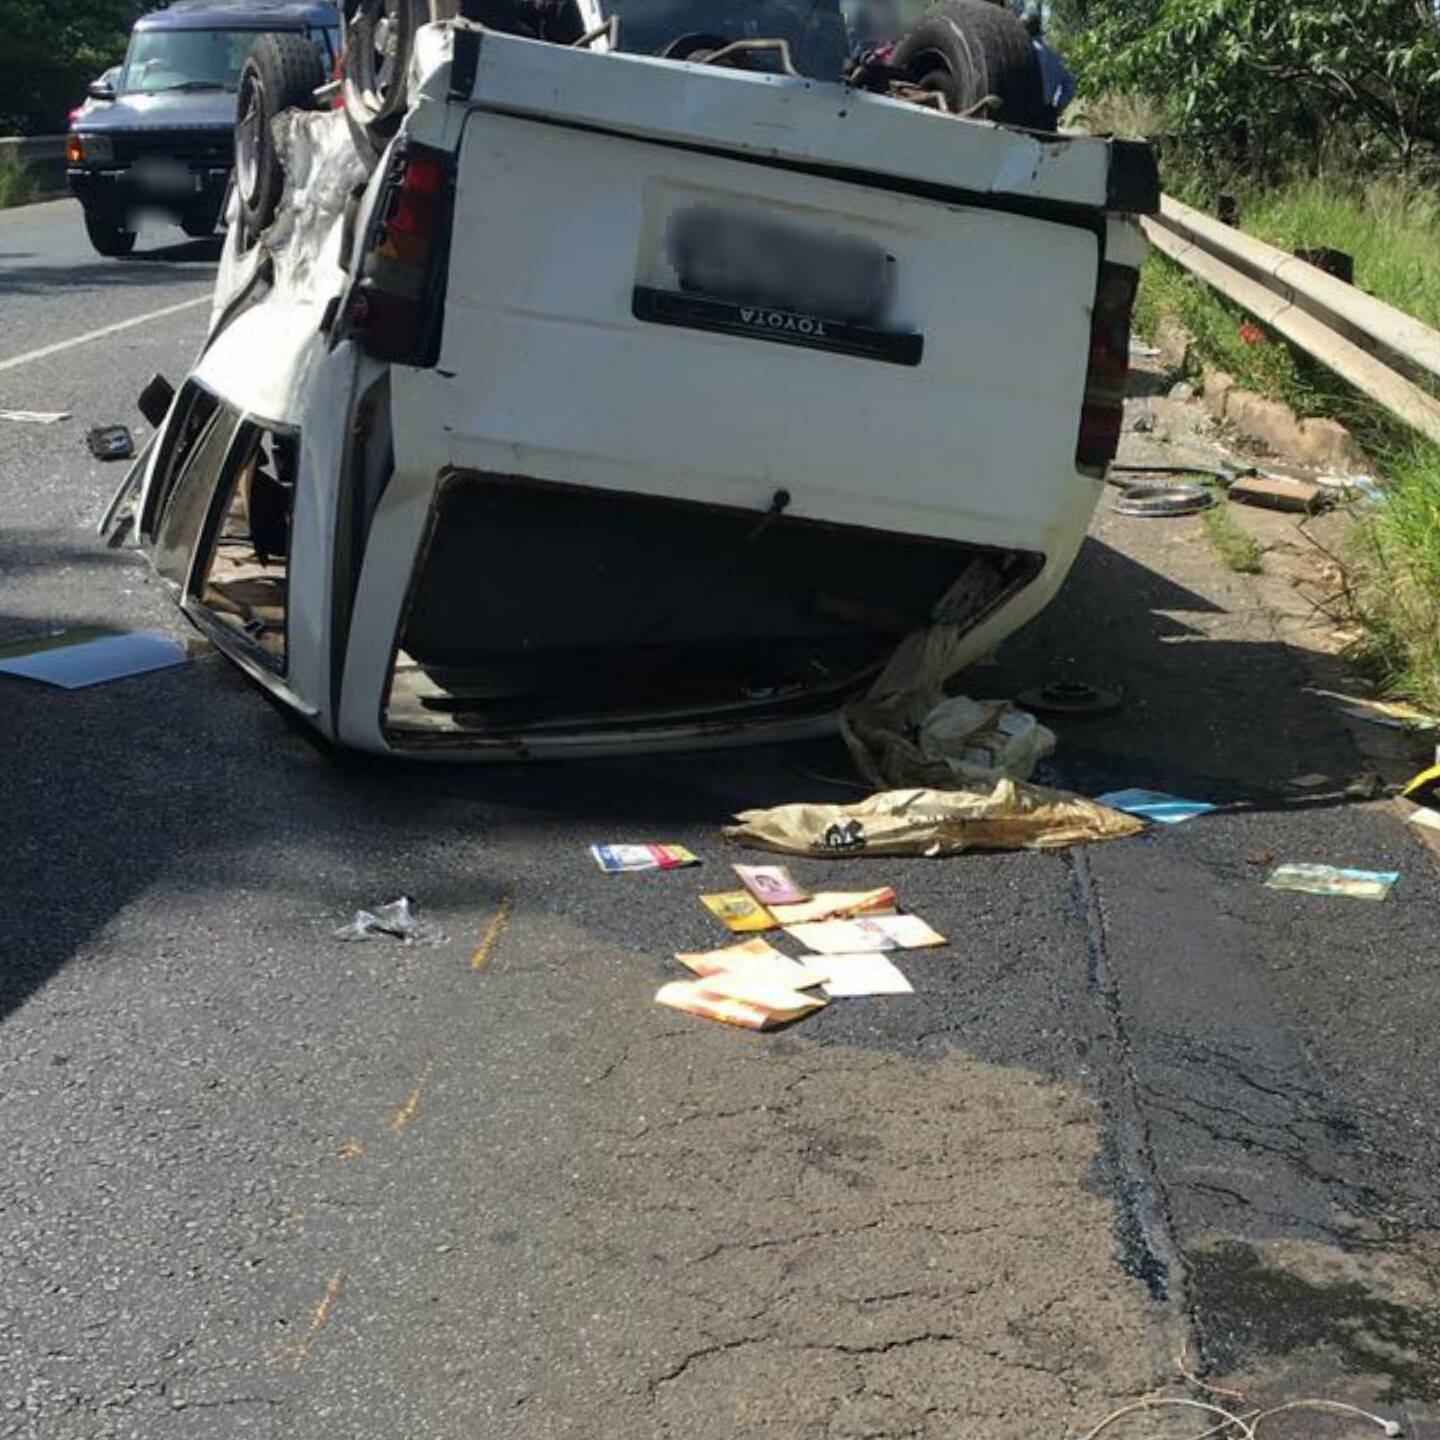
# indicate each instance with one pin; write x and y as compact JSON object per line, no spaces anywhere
{"x":88,"y":150}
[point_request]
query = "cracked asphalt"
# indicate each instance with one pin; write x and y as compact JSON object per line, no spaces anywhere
{"x":1142,"y":1113}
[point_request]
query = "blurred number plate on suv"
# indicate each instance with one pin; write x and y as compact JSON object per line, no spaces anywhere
{"x":166,"y":177}
{"x":750,"y":275}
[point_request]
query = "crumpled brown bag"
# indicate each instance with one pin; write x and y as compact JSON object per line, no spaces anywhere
{"x":1011,"y":816}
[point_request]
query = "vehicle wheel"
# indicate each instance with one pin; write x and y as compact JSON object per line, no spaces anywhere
{"x":968,"y":50}
{"x":379,"y":40}
{"x":108,"y":234}
{"x":281,"y":73}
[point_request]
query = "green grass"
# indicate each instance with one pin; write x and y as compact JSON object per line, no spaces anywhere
{"x":1392,"y":558}
{"x":1234,"y":545}
{"x":17,"y":185}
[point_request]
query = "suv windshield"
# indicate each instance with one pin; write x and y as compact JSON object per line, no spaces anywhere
{"x":815,"y":29}
{"x":189,"y":59}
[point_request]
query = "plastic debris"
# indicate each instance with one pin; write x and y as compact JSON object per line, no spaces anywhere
{"x":771,"y":884}
{"x":1010,"y":816}
{"x":615,"y":859}
{"x":398,"y":920}
{"x":1424,"y":817}
{"x":851,"y":976}
{"x":1332,"y":880}
{"x":1158,"y":501}
{"x":1424,"y":788}
{"x":35,"y":417}
{"x":836,"y":904}
{"x":1393,"y":714}
{"x":921,"y":737}
{"x":77,"y":659}
{"x":110,"y":442}
{"x":1154,"y":805}
{"x":739,"y":910}
{"x":866,"y":934}
{"x":754,"y":957}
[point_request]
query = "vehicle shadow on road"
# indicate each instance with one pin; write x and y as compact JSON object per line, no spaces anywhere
{"x":182,"y":264}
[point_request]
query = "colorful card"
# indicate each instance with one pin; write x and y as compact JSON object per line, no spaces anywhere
{"x":739,"y":911}
{"x":613,"y":859}
{"x":771,"y":884}
{"x":865,"y":934}
{"x":837,"y":904}
{"x":1154,"y":805}
{"x":730,"y":1001}
{"x":1331,"y":880}
{"x":755,"y":957}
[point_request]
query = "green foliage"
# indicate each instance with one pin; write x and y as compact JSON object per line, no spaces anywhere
{"x":17,"y":185}
{"x":51,"y":51}
{"x":1256,"y":83}
{"x":1235,"y":546}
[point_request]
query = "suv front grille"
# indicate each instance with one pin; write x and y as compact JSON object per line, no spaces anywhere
{"x":214,"y":146}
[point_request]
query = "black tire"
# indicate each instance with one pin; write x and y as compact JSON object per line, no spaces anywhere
{"x":108,"y":234}
{"x":969,"y":50}
{"x":379,"y":39}
{"x":281,"y":73}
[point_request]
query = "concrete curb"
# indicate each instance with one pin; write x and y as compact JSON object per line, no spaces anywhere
{"x":1326,"y":444}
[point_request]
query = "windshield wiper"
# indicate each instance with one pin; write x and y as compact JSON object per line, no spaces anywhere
{"x":192,"y":85}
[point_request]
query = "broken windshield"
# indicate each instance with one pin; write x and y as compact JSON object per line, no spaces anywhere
{"x":815,"y":30}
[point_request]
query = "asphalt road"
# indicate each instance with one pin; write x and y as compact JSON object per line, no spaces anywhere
{"x":257,"y":1182}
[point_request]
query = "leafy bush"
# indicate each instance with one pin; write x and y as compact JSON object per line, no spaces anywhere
{"x":17,"y":185}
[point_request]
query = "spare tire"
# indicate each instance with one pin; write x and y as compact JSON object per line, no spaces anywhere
{"x":970,"y":50}
{"x":282,"y":72}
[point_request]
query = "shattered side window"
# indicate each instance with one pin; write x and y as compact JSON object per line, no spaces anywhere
{"x":243,"y":580}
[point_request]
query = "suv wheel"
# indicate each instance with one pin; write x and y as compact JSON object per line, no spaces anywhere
{"x":108,"y":234}
{"x":281,"y":73}
{"x":379,"y":39}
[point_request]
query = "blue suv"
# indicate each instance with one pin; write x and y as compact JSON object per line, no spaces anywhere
{"x":166,"y":143}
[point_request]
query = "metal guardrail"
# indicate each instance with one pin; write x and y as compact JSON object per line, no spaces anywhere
{"x":1378,"y":349}
{"x":32,"y":149}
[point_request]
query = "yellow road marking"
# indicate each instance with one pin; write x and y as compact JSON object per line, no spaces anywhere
{"x":319,"y":1315}
{"x":406,"y":1113}
{"x":493,"y":932}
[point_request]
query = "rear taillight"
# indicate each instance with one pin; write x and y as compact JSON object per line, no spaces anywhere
{"x":395,"y":308}
{"x":1104,"y":410}
{"x":74,"y":150}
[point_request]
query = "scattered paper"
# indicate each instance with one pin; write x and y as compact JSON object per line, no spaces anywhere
{"x":756,"y":957}
{"x":771,"y":884}
{"x":614,"y":859}
{"x":734,"y":1003}
{"x":837,"y":904}
{"x":1424,"y":817}
{"x":35,"y":417}
{"x":739,"y":911}
{"x":1154,"y":805}
{"x":864,"y":934}
{"x":77,"y":659}
{"x":854,"y":975}
{"x":1331,"y":880}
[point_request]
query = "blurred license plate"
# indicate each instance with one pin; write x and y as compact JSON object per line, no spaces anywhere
{"x":166,"y":177}
{"x":747,"y":274}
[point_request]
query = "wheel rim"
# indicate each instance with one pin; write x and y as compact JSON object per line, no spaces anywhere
{"x":378,"y":27}
{"x":247,"y":138}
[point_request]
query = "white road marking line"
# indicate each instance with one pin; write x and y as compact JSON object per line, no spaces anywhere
{"x":102,"y":332}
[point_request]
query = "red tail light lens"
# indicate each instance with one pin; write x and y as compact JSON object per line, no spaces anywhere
{"x":1104,"y":409}
{"x":396,"y":306}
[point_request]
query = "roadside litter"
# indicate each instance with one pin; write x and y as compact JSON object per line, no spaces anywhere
{"x":398,"y":920}
{"x":730,"y":1000}
{"x":35,"y":417}
{"x":616,"y":859}
{"x":1070,"y":697}
{"x":1163,"y":501}
{"x":76,"y":659}
{"x":1424,"y":817}
{"x":1278,"y":492}
{"x":110,"y":442}
{"x":836,"y":904}
{"x":1331,"y":880}
{"x":865,"y":935}
{"x":1393,"y":714}
{"x":771,"y":884}
{"x":739,"y":911}
{"x":1010,"y":816}
{"x":753,"y":957}
{"x":1154,"y":805}
{"x":855,"y":976}
{"x":1424,"y":788}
